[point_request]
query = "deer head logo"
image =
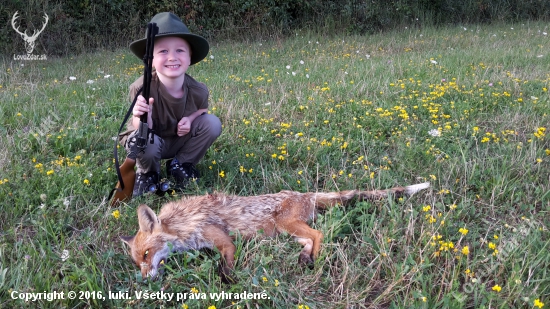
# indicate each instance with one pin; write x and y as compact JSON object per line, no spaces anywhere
{"x":29,"y":40}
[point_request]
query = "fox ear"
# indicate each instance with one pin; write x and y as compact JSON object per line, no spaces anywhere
{"x":147,"y":219}
{"x":129,"y":240}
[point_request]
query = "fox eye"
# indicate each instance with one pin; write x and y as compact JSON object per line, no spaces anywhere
{"x":145,"y":254}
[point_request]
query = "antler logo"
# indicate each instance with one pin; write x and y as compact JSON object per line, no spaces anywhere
{"x":29,"y":40}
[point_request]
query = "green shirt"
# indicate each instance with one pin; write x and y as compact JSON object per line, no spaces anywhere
{"x":167,"y":110}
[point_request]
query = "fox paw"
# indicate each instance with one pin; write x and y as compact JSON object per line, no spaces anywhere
{"x":305,"y":259}
{"x":226,"y":274}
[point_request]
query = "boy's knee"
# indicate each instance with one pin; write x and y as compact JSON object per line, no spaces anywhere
{"x":210,"y":124}
{"x":152,"y":150}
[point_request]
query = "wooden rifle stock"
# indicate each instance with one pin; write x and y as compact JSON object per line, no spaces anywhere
{"x":128,"y":177}
{"x":126,"y":173}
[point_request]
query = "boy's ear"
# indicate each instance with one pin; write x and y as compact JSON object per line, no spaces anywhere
{"x":147,"y":219}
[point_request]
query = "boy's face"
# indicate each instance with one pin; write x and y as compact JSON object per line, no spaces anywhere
{"x":172,"y":56}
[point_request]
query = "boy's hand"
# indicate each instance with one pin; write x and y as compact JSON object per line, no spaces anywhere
{"x":141,"y":106}
{"x":184,"y":126}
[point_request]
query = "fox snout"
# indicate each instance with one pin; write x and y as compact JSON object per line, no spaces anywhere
{"x":150,"y":261}
{"x":151,"y":272}
{"x":152,"y":264}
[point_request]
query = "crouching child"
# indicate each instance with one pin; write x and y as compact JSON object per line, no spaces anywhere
{"x":177,"y":110}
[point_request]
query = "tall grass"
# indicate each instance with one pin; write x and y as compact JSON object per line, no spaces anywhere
{"x":463,"y":107}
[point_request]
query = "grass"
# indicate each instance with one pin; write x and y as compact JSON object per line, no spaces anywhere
{"x":466,"y":108}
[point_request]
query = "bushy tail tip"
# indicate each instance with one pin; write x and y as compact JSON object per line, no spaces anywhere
{"x":410,"y":190}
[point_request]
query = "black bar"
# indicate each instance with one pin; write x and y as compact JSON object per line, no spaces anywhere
{"x":143,"y":129}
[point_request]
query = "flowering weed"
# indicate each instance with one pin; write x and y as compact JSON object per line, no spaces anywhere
{"x":466,"y":110}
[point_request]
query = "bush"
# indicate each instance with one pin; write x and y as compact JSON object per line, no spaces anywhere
{"x":78,"y":26}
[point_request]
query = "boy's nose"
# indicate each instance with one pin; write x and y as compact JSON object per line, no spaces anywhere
{"x":171,"y":55}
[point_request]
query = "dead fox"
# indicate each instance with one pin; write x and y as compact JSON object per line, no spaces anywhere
{"x":205,"y":222}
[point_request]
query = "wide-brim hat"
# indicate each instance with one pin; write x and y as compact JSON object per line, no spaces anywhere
{"x":170,"y":25}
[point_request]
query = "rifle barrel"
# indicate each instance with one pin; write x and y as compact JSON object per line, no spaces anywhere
{"x":152,"y":30}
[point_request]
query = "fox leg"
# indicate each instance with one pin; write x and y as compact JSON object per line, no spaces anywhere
{"x":223,"y":242}
{"x":309,"y":238}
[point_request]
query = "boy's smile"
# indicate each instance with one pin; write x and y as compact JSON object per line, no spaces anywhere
{"x":172,"y":57}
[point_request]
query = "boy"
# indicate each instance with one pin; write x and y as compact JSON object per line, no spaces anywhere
{"x":177,"y":110}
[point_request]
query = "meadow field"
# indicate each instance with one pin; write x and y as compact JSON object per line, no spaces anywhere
{"x":465,"y":108}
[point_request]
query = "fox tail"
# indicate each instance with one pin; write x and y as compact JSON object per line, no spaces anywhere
{"x":324,"y":200}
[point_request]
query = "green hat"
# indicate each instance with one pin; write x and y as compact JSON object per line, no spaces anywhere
{"x":170,"y":25}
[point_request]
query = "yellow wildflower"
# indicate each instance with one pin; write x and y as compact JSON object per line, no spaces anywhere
{"x":496,"y":288}
{"x":116,"y":214}
{"x":538,"y":303}
{"x":463,"y":231}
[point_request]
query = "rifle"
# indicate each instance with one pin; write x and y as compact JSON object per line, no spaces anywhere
{"x":126,"y":173}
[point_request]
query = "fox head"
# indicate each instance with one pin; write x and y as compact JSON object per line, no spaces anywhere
{"x":149,"y":247}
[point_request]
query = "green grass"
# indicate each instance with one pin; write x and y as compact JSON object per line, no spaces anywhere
{"x":349,"y":112}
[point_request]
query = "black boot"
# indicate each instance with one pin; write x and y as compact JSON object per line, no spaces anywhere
{"x":145,"y":183}
{"x":182,"y":172}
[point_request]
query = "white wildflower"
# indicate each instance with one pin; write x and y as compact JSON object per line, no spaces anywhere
{"x":64,"y":255}
{"x":434,"y":132}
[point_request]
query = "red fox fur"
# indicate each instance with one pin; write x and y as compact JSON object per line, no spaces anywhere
{"x":205,"y":222}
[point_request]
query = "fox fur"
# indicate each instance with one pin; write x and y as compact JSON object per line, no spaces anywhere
{"x":206,"y":221}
